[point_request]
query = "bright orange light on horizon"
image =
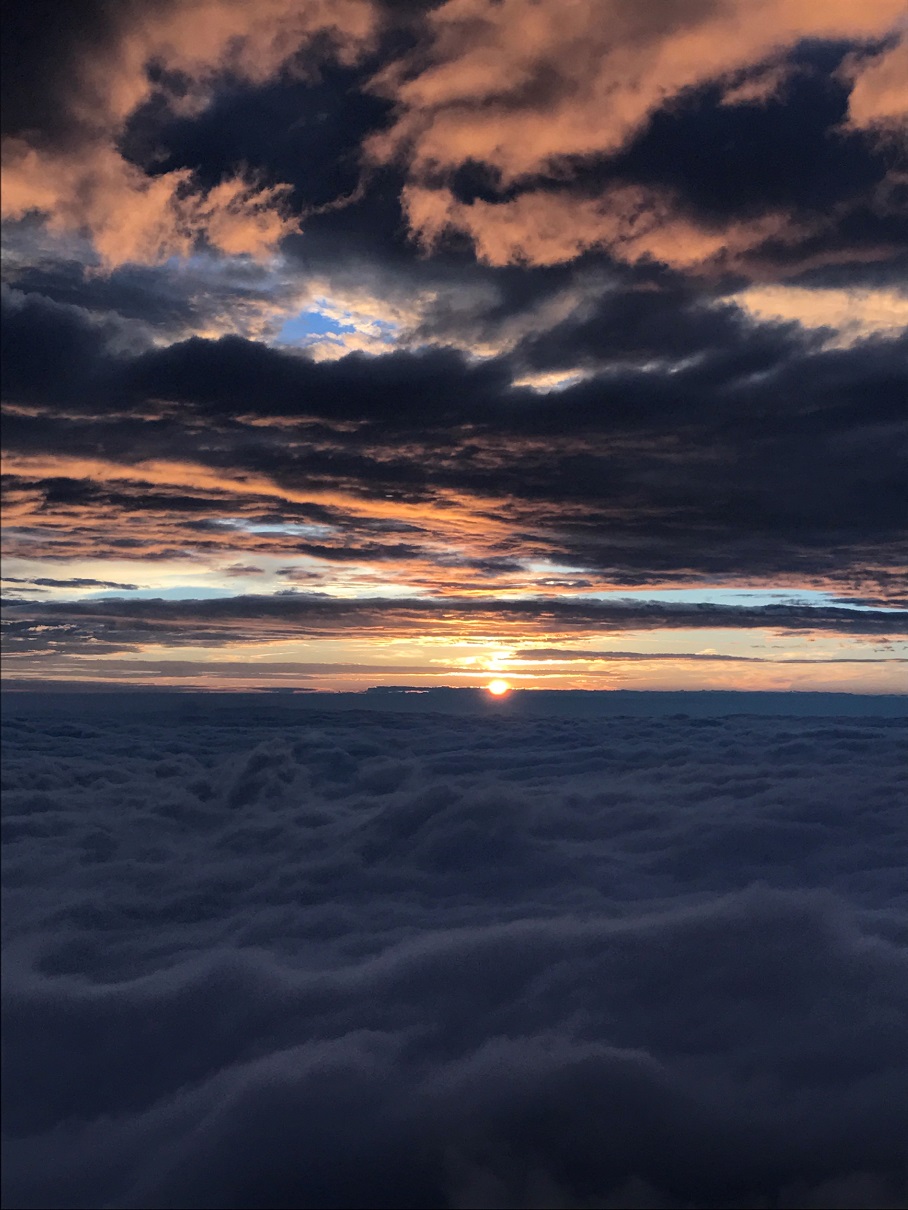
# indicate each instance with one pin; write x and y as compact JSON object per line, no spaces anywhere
{"x":498,"y":688}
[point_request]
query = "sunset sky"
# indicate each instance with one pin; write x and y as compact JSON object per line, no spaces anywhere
{"x":351,"y":343}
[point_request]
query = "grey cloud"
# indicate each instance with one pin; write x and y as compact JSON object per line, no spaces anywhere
{"x":547,"y":654}
{"x":294,"y":614}
{"x":76,"y":582}
{"x":267,"y":955}
{"x":758,"y":454}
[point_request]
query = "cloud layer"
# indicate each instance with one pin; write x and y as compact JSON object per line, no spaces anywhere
{"x":326,"y":959}
{"x":755,"y":455}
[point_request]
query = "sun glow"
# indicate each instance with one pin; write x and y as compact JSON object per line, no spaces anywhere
{"x":498,"y":688}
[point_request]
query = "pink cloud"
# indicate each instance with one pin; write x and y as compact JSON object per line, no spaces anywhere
{"x":129,"y":215}
{"x":528,"y":87}
{"x":879,"y":89}
{"x":523,"y":87}
{"x":635,"y":224}
{"x":134,"y":217}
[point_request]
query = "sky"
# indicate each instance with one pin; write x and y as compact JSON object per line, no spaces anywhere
{"x":350,"y":343}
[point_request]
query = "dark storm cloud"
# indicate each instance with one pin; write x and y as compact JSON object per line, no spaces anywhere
{"x":314,"y":130}
{"x":66,"y":626}
{"x":761,"y":452}
{"x":43,"y":46}
{"x":52,"y":352}
{"x":668,"y":324}
{"x":358,"y":554}
{"x":740,"y":372}
{"x":273,"y":956}
{"x":786,"y":149}
{"x":571,"y":654}
{"x":227,"y":376}
{"x":76,"y":582}
{"x":145,"y":302}
{"x":140,"y":497}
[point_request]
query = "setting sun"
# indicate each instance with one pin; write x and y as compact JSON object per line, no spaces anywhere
{"x":498,"y":688}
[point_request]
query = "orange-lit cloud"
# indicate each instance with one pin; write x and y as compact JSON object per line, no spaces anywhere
{"x":522,"y":87}
{"x":353,"y":644}
{"x":524,"y":84}
{"x":879,"y":89}
{"x":530,"y":87}
{"x":850,"y":315}
{"x":634,"y":224}
{"x":88,"y":185}
{"x":134,"y":217}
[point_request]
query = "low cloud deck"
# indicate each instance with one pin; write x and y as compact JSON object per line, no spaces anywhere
{"x":23,"y":698}
{"x":266,"y":953}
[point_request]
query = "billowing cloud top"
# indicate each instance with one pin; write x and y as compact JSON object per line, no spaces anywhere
{"x":273,"y":954}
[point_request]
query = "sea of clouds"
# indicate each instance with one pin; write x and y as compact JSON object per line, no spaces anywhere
{"x":274,"y":955}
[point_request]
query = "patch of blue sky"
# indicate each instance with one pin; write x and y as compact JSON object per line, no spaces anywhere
{"x":316,"y":324}
{"x":298,"y":529}
{"x":737,"y":596}
{"x":176,"y":592}
{"x":294,"y":529}
{"x":311,"y":325}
